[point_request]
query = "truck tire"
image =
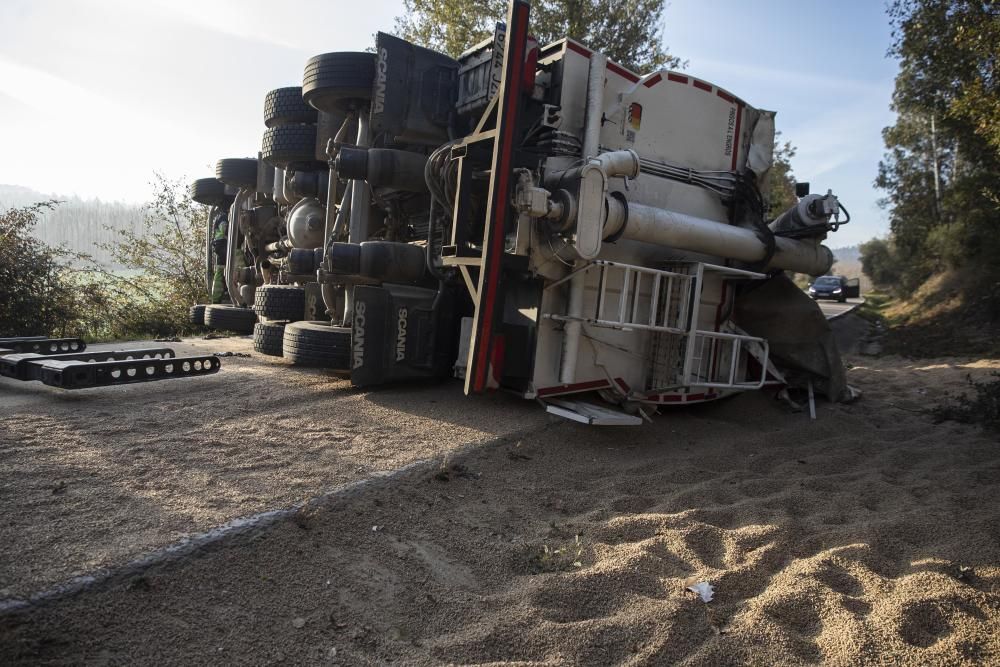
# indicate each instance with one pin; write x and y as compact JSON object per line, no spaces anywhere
{"x":267,"y":337}
{"x":333,"y":82}
{"x":285,"y":106}
{"x":238,"y":172}
{"x":230,"y":318}
{"x":209,"y":192}
{"x":291,"y":146}
{"x":318,"y":344}
{"x":197,"y":315}
{"x":280,"y":302}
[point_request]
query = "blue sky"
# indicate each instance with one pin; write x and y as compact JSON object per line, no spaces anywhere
{"x":822,"y":67}
{"x":97,"y":94}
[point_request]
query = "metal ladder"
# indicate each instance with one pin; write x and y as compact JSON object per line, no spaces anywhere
{"x":665,"y":307}
{"x":666,"y":302}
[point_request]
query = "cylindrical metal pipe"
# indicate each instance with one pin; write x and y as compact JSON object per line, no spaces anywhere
{"x":591,"y":147}
{"x":277,"y":191}
{"x":358,"y":229}
{"x":687,"y":232}
{"x":360,"y":205}
{"x":619,"y":163}
{"x":330,"y":294}
{"x":233,"y":246}
{"x":209,"y":268}
{"x":332,"y":208}
{"x":595,"y":106}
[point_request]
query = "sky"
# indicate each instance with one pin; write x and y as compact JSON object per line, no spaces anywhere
{"x":96,"y":95}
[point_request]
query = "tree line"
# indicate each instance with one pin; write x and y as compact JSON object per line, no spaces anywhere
{"x":79,"y":225}
{"x":941,"y":170}
{"x":149,"y":272}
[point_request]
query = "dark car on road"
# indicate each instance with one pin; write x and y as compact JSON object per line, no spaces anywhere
{"x":833,"y":287}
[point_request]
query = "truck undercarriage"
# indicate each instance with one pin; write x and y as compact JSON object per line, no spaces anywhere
{"x":530,"y":218}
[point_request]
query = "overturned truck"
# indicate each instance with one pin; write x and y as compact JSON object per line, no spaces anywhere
{"x":532,"y":218}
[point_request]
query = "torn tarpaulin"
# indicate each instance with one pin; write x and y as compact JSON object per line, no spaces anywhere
{"x":800,"y":338}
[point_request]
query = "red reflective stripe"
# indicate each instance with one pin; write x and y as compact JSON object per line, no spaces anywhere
{"x":682,"y":398}
{"x":506,"y":120}
{"x":677,"y":77}
{"x":623,"y":384}
{"x":702,"y":85}
{"x":736,"y":134}
{"x":499,"y":350}
{"x":570,"y":388}
{"x":652,"y":82}
{"x":572,"y":46}
{"x":726,"y":96}
{"x":622,"y":72}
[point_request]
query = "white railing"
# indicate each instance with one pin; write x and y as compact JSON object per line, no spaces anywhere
{"x":715,"y":360}
{"x":635,"y":298}
{"x":666,"y":302}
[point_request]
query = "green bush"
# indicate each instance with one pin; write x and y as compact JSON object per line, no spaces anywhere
{"x":37,"y":295}
{"x":52,"y":291}
{"x":164,"y":271}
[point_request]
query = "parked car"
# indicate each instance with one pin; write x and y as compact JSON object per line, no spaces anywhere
{"x":834,"y":287}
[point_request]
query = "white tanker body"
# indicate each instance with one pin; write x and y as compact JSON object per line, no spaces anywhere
{"x":545,"y":221}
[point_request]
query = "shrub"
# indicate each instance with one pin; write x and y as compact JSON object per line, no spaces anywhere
{"x":982,"y":407}
{"x":37,"y":295}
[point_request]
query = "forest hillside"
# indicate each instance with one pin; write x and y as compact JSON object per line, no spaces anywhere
{"x":81,"y":225}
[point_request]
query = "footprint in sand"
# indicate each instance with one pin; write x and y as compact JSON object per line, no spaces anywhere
{"x":924,"y":623}
{"x":839,"y":580}
{"x":632,"y":504}
{"x":585,"y":596}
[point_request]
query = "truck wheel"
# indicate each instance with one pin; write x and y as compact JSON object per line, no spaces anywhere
{"x":280,"y":302}
{"x":267,"y":337}
{"x":291,"y":146}
{"x":230,"y":318}
{"x":318,"y":344}
{"x":333,"y":82}
{"x":285,"y":106}
{"x":238,"y":172}
{"x":209,"y":192}
{"x":197,"y":315}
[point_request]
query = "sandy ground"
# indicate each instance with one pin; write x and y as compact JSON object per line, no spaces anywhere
{"x":94,"y":478}
{"x":869,"y":535}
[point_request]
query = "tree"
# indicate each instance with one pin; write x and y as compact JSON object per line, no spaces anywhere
{"x":36,"y":295}
{"x":941,"y":171}
{"x":164,"y":272}
{"x":781,"y":181}
{"x":630,"y":32}
{"x":878,"y":262}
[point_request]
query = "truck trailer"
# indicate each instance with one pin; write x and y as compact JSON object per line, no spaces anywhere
{"x":530,"y":218}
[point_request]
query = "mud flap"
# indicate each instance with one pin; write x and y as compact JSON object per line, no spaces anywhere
{"x":801,"y":340}
{"x":400,"y":332}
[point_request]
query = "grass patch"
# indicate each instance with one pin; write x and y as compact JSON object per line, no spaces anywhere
{"x":949,"y":315}
{"x":873,"y":309}
{"x":982,"y":406}
{"x":558,"y":557}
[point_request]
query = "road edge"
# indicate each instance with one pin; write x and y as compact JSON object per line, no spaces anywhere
{"x":848,"y":311}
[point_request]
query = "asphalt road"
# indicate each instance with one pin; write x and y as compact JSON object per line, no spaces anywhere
{"x":833,"y":308}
